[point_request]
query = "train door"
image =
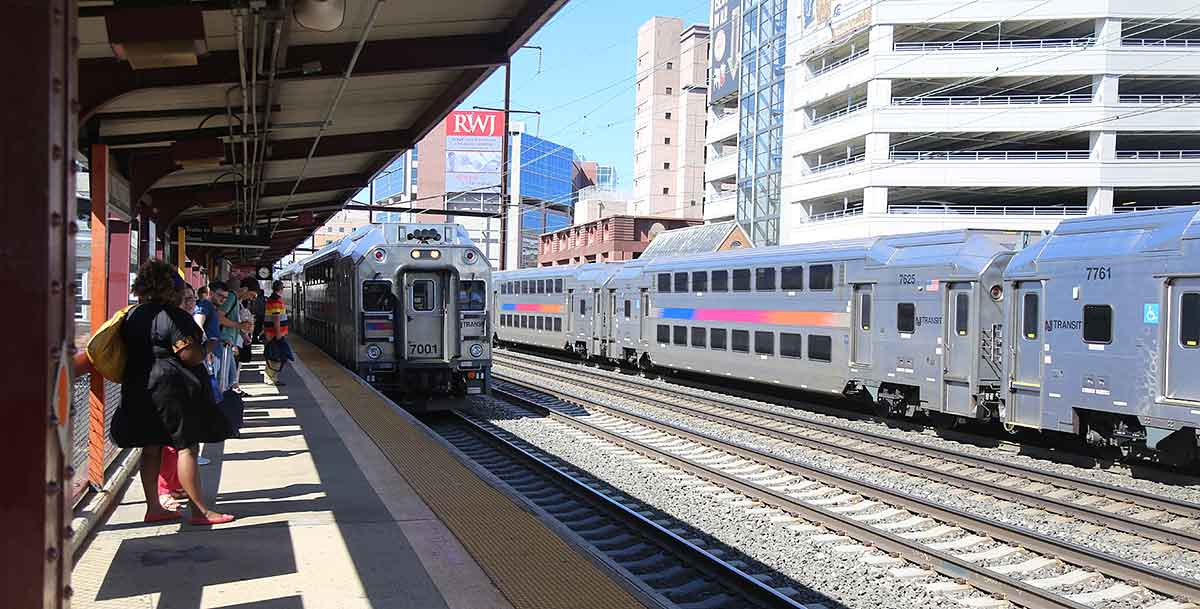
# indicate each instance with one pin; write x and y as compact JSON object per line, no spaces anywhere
{"x":1183,"y":339}
{"x":643,"y":314}
{"x":864,"y":296}
{"x":1025,"y":398}
{"x":424,"y":316}
{"x":959,"y":350}
{"x":597,"y":323}
{"x":609,"y":316}
{"x":570,"y":312}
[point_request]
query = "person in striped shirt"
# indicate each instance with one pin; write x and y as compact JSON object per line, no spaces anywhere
{"x":275,"y":330}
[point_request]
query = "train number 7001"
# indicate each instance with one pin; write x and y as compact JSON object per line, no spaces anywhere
{"x":422,"y":348}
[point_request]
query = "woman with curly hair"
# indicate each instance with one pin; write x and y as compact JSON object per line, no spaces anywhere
{"x":166,"y":394}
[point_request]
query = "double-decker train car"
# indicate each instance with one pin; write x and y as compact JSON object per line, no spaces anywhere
{"x":403,"y":305}
{"x":1090,"y":330}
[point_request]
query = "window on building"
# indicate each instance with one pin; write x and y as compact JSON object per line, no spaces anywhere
{"x":698,"y":336}
{"x":741,"y":280}
{"x":679,"y":334}
{"x":820,"y":277}
{"x":716,"y":338}
{"x":764,"y":280}
{"x":961,"y":313}
{"x":820,"y":348}
{"x":664,"y":282}
{"x":668,"y":116}
{"x":1030,"y":317}
{"x":720,"y":281}
{"x":666,"y":140}
{"x":681,"y":282}
{"x":666,"y":166}
{"x":1097,"y":324}
{"x":741,"y":341}
{"x":906,"y":317}
{"x":666,"y":191}
{"x":791,"y":345}
{"x":669,"y":65}
{"x":670,"y":91}
{"x":764,"y":343}
{"x":1189,"y":320}
{"x":791,"y":278}
{"x":664,"y":333}
{"x":628,"y":308}
{"x":700,"y":281}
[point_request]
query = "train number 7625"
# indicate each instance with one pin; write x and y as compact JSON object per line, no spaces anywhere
{"x":1099,"y":273}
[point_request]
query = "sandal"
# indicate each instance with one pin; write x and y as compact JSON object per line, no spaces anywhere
{"x":162,"y":517}
{"x":204,"y":520}
{"x":169,"y":503}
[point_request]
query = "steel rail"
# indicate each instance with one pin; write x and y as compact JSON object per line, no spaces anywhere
{"x":945,"y":563}
{"x":1178,"y":507}
{"x":689,"y":553}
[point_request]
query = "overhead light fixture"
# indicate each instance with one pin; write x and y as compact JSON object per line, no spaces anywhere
{"x":319,"y":15}
{"x":157,"y":37}
{"x":198,"y":153}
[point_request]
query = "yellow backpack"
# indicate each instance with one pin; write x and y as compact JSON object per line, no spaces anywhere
{"x":106,"y":349}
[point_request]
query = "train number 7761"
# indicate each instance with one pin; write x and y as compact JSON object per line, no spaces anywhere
{"x":1099,"y":273}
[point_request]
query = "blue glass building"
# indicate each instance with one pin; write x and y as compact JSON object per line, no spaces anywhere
{"x":546,"y":190}
{"x":392,"y":181}
{"x":760,"y":115}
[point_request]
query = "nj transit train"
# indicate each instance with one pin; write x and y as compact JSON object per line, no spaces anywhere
{"x":1091,"y":330}
{"x":403,"y":305}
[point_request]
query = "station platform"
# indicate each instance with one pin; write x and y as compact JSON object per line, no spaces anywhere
{"x":343,"y":502}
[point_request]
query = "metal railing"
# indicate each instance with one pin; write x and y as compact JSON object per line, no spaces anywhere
{"x":723,"y":155}
{"x":1177,"y":43}
{"x":989,"y":210}
{"x":722,"y":198}
{"x":834,"y":215}
{"x":1158,"y":155}
{"x":1123,"y":209}
{"x":990,"y":100}
{"x":838,"y":163}
{"x":829,"y":67}
{"x":825,"y":118}
{"x":1003,"y":45}
{"x":1185,"y":98}
{"x":990,"y":155}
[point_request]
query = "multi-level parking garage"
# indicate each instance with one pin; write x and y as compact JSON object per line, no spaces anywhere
{"x":1002,"y":113}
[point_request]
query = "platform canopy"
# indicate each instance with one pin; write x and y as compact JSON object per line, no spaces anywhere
{"x":262,"y":119}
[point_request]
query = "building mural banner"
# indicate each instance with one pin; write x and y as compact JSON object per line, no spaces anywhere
{"x":473,"y":150}
{"x":840,"y":16}
{"x":725,"y":48}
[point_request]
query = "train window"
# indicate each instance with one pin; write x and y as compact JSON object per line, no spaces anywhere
{"x":504,"y":319}
{"x":525,"y":321}
{"x":558,"y":324}
{"x":681,"y":282}
{"x":541,"y":322}
{"x":720,"y":281}
{"x":664,"y":333}
{"x":865,"y":311}
{"x":716,"y":338}
{"x":764,"y":280}
{"x":1097,"y":324}
{"x":962,"y":306}
{"x":1189,"y":320}
{"x":906,"y":317}
{"x":764,"y":343}
{"x":791,"y":278}
{"x":1029,"y":317}
{"x":820,"y":348}
{"x":664,"y":282}
{"x":679,"y":334}
{"x":700,"y":281}
{"x":628,"y":308}
{"x":582,"y":307}
{"x":820,"y":277}
{"x":472,"y":295}
{"x":558,"y":286}
{"x":503,"y":288}
{"x":791,"y":345}
{"x":741,"y":280}
{"x":741,"y":341}
{"x":423,"y":295}
{"x":377,"y":296}
{"x":698,"y":336}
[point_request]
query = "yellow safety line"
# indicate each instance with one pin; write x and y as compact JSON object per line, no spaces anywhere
{"x":530,"y":564}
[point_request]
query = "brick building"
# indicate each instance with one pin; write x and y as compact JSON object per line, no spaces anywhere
{"x":612,"y":239}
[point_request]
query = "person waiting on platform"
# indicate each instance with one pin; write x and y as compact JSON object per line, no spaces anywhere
{"x":166,"y":393}
{"x":277,"y":352}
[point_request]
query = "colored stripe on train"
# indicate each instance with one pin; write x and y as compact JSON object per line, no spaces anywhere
{"x":777,"y":318}
{"x":532,"y":308}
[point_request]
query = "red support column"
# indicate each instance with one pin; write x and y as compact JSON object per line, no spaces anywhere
{"x":37,"y":251}
{"x":98,"y":284}
{"x":118,"y":265}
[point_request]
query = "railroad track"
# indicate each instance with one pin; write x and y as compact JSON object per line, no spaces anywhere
{"x":867,"y":517}
{"x":681,"y":572}
{"x":1158,"y":518}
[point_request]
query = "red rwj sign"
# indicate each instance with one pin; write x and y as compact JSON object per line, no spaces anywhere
{"x":485,"y":123}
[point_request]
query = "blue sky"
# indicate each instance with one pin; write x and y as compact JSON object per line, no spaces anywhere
{"x":585,"y":87}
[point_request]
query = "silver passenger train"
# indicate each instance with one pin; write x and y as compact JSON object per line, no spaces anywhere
{"x":1091,"y":330}
{"x":403,"y":305}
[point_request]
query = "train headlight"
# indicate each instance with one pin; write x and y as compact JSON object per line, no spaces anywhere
{"x":477,"y":350}
{"x":435,"y":254}
{"x":374,"y":351}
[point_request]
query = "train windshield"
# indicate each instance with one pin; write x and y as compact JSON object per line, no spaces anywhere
{"x":377,"y":295}
{"x":472,"y":295}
